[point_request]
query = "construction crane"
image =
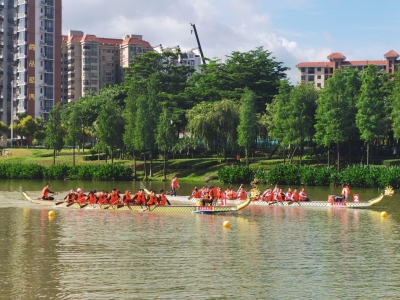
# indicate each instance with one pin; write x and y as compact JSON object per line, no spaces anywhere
{"x":198,"y":43}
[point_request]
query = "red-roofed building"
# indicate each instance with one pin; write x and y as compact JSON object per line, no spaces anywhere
{"x":319,"y":72}
{"x":90,"y":62}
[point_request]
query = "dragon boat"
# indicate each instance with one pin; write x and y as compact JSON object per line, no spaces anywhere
{"x":255,"y":194}
{"x":139,"y":208}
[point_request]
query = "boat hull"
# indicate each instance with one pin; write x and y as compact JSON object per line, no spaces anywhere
{"x":185,"y":199}
{"x":140,"y":208}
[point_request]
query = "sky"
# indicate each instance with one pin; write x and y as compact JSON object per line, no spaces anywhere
{"x":293,"y":30}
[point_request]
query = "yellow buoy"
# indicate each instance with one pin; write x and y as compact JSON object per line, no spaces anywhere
{"x":383,"y":214}
{"x":51,"y":214}
{"x":227,"y":224}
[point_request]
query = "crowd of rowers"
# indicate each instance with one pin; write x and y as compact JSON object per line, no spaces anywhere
{"x":210,"y":194}
{"x":114,"y":198}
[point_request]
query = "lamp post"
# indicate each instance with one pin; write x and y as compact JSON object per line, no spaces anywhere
{"x":12,"y":112}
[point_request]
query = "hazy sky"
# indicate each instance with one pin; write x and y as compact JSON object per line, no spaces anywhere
{"x":294,"y":30}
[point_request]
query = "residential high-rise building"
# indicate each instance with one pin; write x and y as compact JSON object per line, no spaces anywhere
{"x":30,"y":57}
{"x":319,"y":72}
{"x":89,"y":63}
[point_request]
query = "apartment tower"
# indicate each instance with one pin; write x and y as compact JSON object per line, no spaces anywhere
{"x":89,"y":63}
{"x":30,"y":58}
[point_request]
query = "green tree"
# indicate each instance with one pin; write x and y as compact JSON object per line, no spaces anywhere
{"x":26,"y":127}
{"x":255,"y":69}
{"x":165,"y":135}
{"x":110,"y":126}
{"x":247,"y":129}
{"x":336,"y":110}
{"x":55,"y":132}
{"x":72,"y":121}
{"x":301,"y":120}
{"x":215,"y":123}
{"x":396,"y":105}
{"x":371,"y":117}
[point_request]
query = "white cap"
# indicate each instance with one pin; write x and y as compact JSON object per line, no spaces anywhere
{"x":79,"y":190}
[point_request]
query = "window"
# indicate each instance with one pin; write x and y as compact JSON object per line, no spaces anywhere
{"x":49,"y":12}
{"x":318,"y":84}
{"x":48,"y":93}
{"x":93,"y":82}
{"x":48,"y":78}
{"x":360,"y":68}
{"x":303,"y":78}
{"x":48,"y":39}
{"x":326,"y":77}
{"x":48,"y":25}
{"x":302,"y":70}
{"x":94,"y":60}
{"x":49,"y":52}
{"x":319,"y":77}
{"x":311,"y":70}
{"x":319,"y":69}
{"x":311,"y":78}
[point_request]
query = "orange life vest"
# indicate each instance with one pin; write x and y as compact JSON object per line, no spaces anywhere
{"x":152,"y":200}
{"x":114,"y":199}
{"x":139,"y":198}
{"x":103,"y":199}
{"x":196,"y":194}
{"x":45,"y":192}
{"x":163,"y":200}
{"x":92,"y":199}
{"x":243,"y":195}
{"x":127,"y":198}
{"x":81,"y":198}
{"x":296,"y":196}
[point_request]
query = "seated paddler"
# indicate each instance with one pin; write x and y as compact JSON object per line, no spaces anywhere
{"x":46,"y":191}
{"x":81,"y":196}
{"x":127,"y":198}
{"x":102,"y":198}
{"x":152,"y":199}
{"x":139,"y":197}
{"x":92,"y":197}
{"x":162,"y":199}
{"x":71,"y":197}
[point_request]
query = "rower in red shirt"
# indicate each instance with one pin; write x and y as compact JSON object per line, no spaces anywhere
{"x":127,"y":198}
{"x":152,"y":200}
{"x":81,"y":196}
{"x":92,"y":197}
{"x":102,"y":198}
{"x":71,"y":197}
{"x":139,"y":197}
{"x":162,"y":199}
{"x":114,"y":197}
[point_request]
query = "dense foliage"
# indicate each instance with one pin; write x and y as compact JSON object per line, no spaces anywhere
{"x":356,"y":175}
{"x":63,"y":171}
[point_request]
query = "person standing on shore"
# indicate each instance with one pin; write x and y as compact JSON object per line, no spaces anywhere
{"x":174,"y":186}
{"x":238,"y":158}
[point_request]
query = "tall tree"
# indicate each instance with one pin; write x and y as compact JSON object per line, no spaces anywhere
{"x":215,"y":123}
{"x":247,"y":129}
{"x":54,"y":132}
{"x":165,"y":135}
{"x":370,"y":118}
{"x":301,"y":120}
{"x":256,"y":69}
{"x":110,"y":126}
{"x":396,"y":105}
{"x":336,"y":110}
{"x":72,"y":120}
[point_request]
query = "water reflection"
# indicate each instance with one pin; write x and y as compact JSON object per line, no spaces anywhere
{"x":269,"y":252}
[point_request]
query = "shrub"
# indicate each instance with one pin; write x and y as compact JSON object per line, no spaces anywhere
{"x":236,"y":174}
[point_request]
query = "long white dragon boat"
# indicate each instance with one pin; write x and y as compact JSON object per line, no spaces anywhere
{"x":388,"y":191}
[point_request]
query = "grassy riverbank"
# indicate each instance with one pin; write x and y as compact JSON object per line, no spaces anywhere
{"x":188,"y":169}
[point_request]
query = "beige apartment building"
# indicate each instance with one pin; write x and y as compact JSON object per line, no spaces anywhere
{"x":89,"y":63}
{"x":319,"y":72}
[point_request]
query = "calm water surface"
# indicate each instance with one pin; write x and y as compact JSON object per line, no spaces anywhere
{"x":268,"y":253}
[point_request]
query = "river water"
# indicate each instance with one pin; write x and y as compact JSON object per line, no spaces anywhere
{"x":268,"y":253}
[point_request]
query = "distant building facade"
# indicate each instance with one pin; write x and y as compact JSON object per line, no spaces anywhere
{"x":319,"y":72}
{"x":188,"y":58}
{"x":89,"y":63}
{"x":30,"y":57}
